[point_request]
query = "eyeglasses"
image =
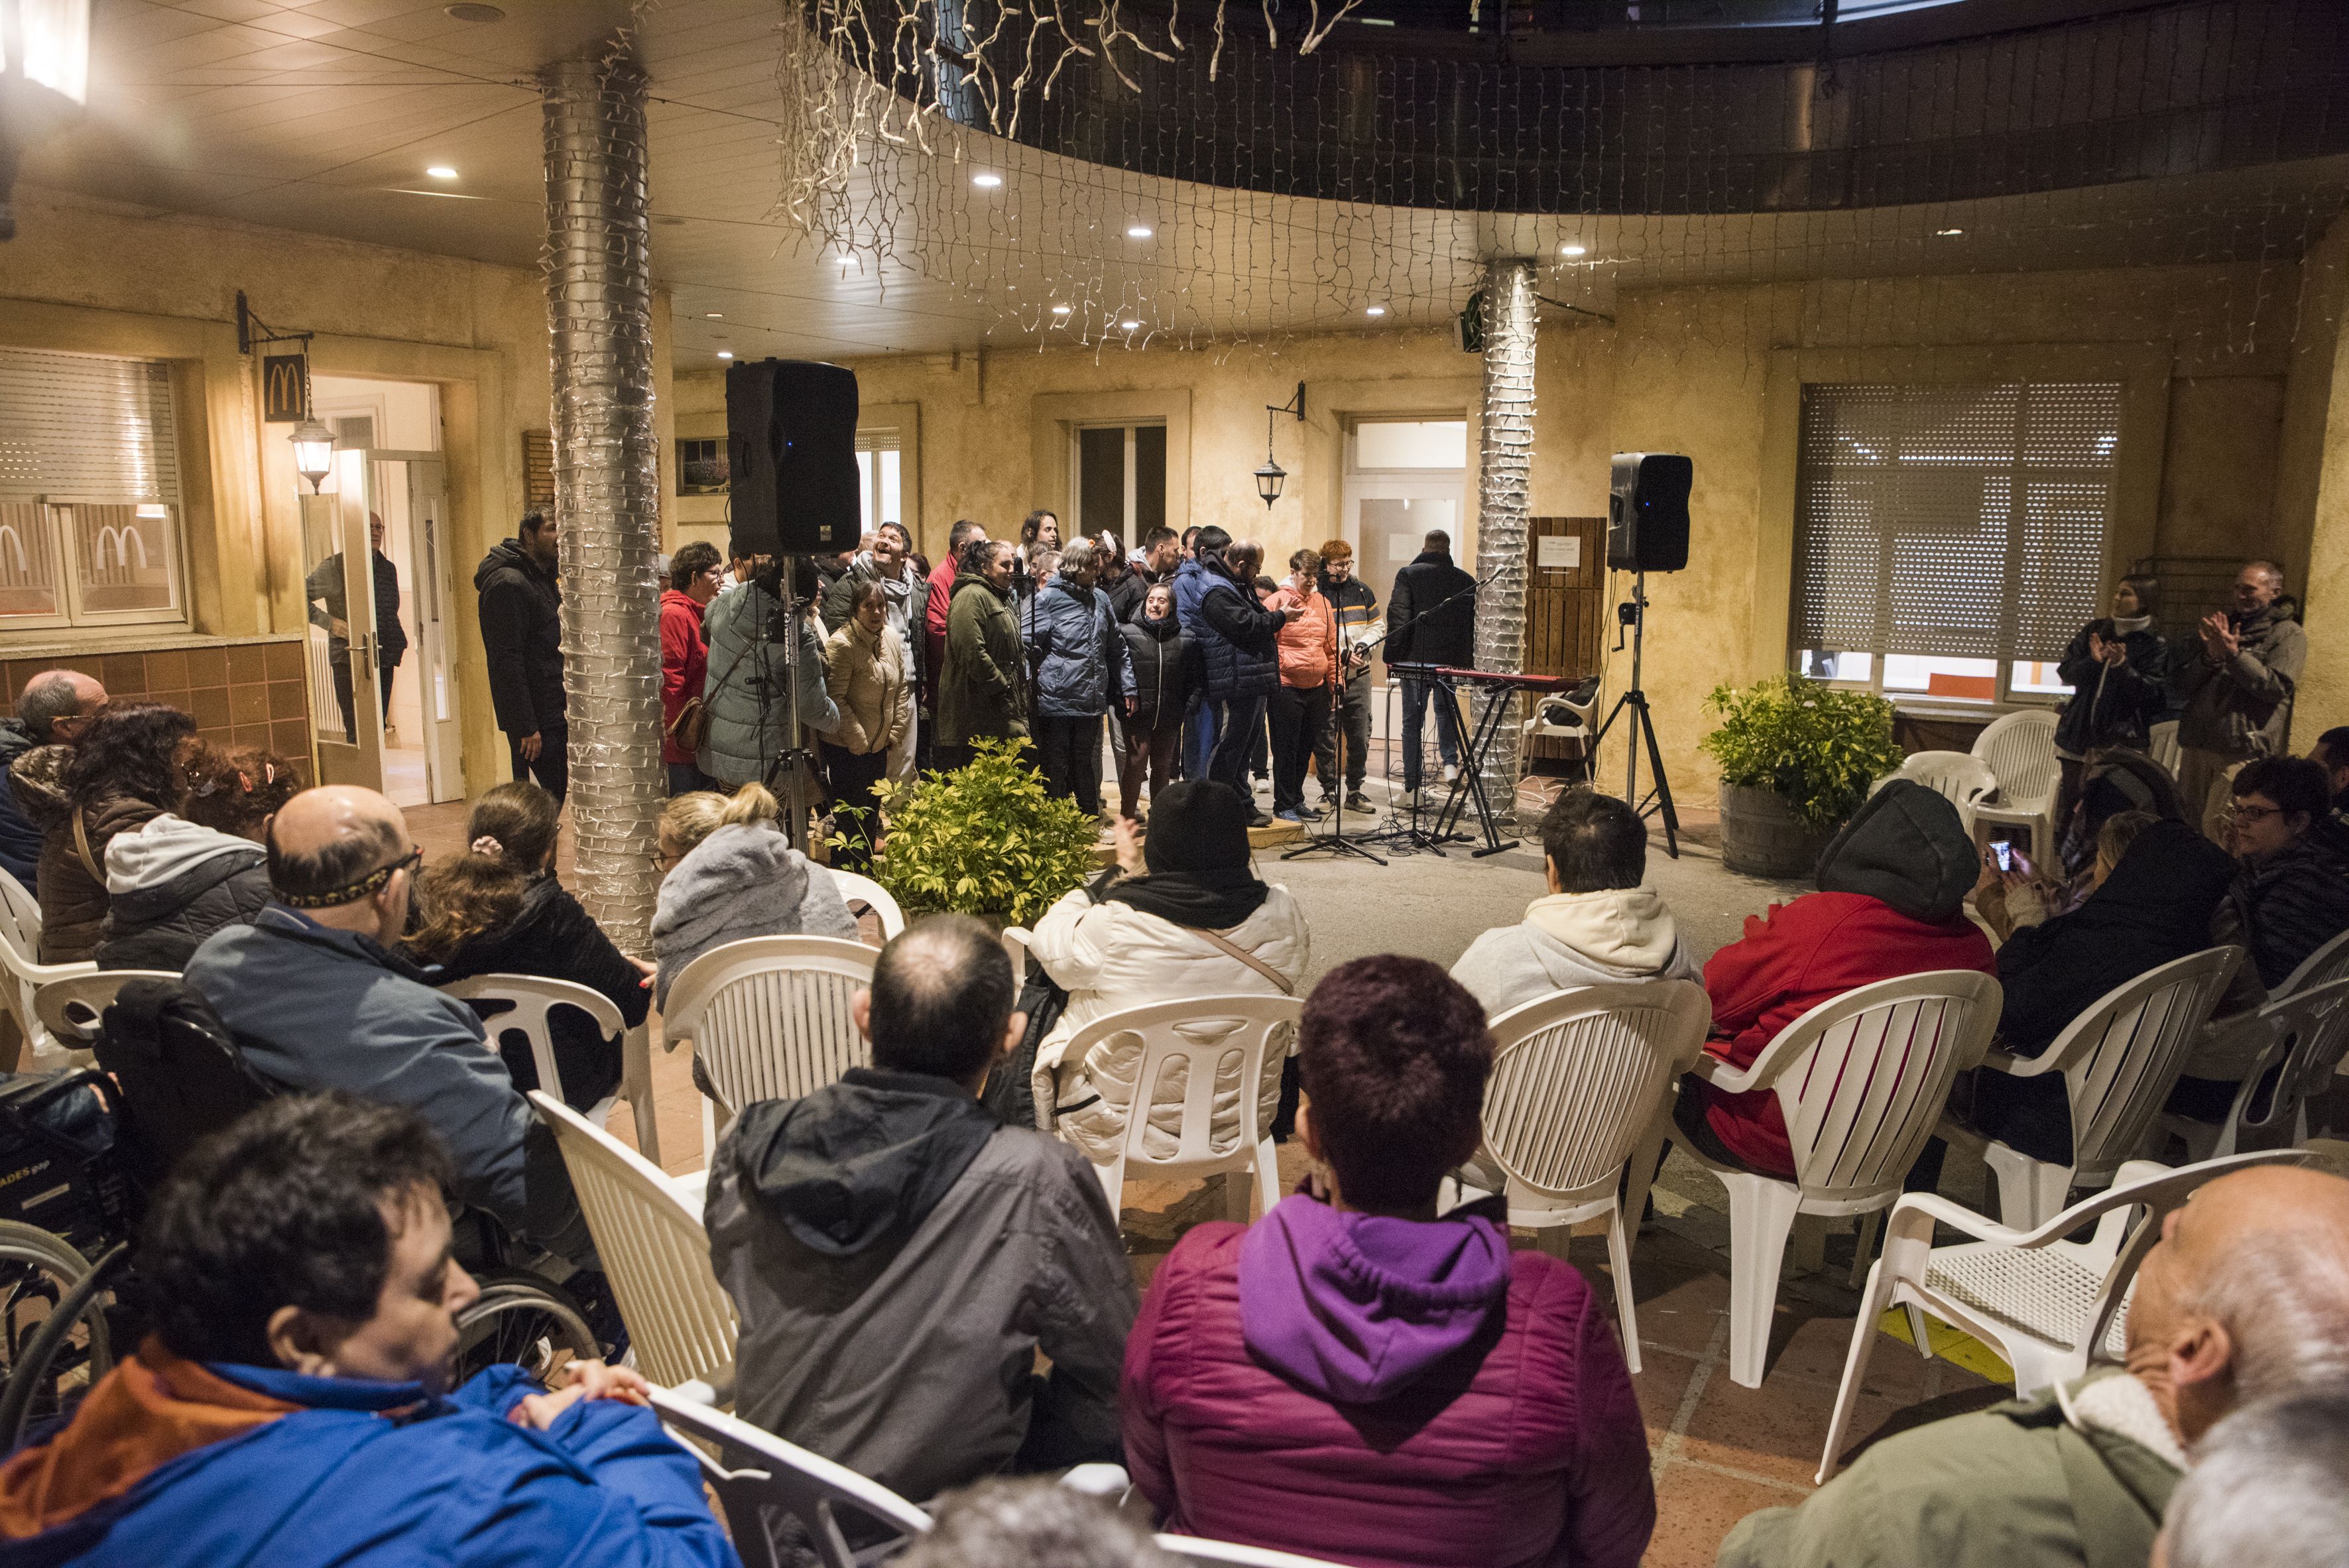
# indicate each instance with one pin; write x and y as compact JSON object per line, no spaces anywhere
{"x":2241,"y":812}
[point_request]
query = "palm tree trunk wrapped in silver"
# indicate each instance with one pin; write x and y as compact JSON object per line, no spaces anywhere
{"x":1503,"y":477}
{"x":607,"y":479}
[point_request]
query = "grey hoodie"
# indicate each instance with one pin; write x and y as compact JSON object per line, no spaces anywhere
{"x":171,"y":884}
{"x":1569,"y":939}
{"x":743,"y":880}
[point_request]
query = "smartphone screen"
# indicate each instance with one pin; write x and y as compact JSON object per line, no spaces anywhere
{"x":2005,"y":852}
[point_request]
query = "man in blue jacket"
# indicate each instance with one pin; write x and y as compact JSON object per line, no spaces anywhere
{"x":1236,"y":636}
{"x":1081,"y":671}
{"x":319,"y":1000}
{"x":292,"y":1405}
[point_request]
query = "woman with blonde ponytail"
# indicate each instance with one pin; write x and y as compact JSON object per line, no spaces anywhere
{"x":728,"y":874}
{"x":496,"y":909}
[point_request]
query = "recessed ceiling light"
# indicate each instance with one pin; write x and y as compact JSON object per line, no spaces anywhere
{"x":713,"y":315}
{"x":1128,"y":326}
{"x":725,"y":354}
{"x":1574,"y":250}
{"x":1376,"y":310}
{"x":1137,"y":232}
{"x":1061,"y":310}
{"x":475,"y":13}
{"x":441,"y":171}
{"x":987,"y":182}
{"x":1947,"y":233}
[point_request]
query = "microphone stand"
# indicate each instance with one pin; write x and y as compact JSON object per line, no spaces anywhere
{"x":1335,"y":840}
{"x":1412,"y":836}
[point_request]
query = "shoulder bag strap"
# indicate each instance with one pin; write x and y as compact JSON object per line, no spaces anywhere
{"x":81,"y":848}
{"x":1244,"y":956}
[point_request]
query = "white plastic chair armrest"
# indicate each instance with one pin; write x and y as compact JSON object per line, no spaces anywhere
{"x":2018,"y":1067}
{"x":1775,"y":1057}
{"x":39,"y":975}
{"x":1097,"y":1480}
{"x":1918,"y":1212}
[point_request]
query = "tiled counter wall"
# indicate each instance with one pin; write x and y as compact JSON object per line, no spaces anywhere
{"x":242,"y":694}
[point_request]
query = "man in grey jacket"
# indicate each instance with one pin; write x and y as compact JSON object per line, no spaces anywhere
{"x":897,"y":1259}
{"x":319,"y":1000}
{"x":2236,"y":691}
{"x":1600,"y":924}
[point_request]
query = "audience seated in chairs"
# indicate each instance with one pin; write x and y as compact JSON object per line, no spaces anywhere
{"x":1031,"y":1524}
{"x":897,"y":1258}
{"x":496,"y":909}
{"x":178,"y":879}
{"x":292,"y":1404}
{"x":2246,"y":1296}
{"x":53,"y":709}
{"x":122,"y":771}
{"x":728,"y":874}
{"x":1892,"y":887}
{"x":1599,"y":924}
{"x":2157,"y":885}
{"x":1187,"y":917}
{"x":314,"y":994}
{"x":2291,"y":892}
{"x":2266,"y":1487}
{"x":1354,"y":1377}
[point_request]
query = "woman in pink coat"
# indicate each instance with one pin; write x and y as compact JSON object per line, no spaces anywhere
{"x":1359,"y":1380}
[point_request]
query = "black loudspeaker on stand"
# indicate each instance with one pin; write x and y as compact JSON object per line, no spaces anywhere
{"x":1647,"y":530}
{"x":790,"y":457}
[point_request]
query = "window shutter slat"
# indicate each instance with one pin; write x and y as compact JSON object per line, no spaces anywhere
{"x":80,"y":427}
{"x":1964,"y":522}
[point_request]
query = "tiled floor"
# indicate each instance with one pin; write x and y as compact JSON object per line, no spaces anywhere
{"x":1720,"y":1451}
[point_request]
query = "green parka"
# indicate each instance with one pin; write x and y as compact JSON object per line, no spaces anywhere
{"x":979,"y":692}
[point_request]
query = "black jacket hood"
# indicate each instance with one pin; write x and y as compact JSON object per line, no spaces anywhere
{"x":863,"y":1158}
{"x":507,"y":555}
{"x":1907,"y":847}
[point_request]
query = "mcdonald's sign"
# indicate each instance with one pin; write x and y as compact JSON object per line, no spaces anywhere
{"x":284,"y":389}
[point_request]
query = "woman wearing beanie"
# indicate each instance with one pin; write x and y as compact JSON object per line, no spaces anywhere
{"x":1195,"y":922}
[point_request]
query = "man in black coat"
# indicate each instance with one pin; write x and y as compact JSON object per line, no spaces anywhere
{"x":522,"y":633}
{"x":327,"y":611}
{"x":1441,"y":636}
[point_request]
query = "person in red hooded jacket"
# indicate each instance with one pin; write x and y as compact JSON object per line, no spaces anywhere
{"x":1892,"y":888}
{"x":694,"y":574}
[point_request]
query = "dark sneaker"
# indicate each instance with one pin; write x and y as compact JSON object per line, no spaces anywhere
{"x":1358,"y":801}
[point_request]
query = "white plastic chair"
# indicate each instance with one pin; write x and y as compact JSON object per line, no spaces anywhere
{"x":2021,"y":751}
{"x":529,"y":998}
{"x":1961,"y":777}
{"x":2161,"y":744}
{"x":777,"y":1477}
{"x":1197,"y":1033}
{"x":770,"y":1019}
{"x":863,"y":890}
{"x":2119,"y":1058}
{"x":71,"y":1009}
{"x":2321,"y":968}
{"x":1581,"y":1083}
{"x":20,"y":943}
{"x":1018,"y":940}
{"x":1861,"y":1081}
{"x":681,"y":1323}
{"x":2042,"y":1303}
{"x":2306,"y":1035}
{"x":1193,"y":1548}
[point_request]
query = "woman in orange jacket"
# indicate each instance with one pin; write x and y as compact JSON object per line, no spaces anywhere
{"x":1307,"y":648}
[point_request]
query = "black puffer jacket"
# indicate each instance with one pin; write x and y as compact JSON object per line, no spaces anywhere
{"x":1166,"y":669}
{"x":172,"y":883}
{"x":2109,"y":706}
{"x":555,"y":939}
{"x":1443,"y":636}
{"x":522,"y":635}
{"x":2290,"y":904}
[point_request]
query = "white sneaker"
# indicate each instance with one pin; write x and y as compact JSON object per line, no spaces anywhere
{"x":1451,"y":773}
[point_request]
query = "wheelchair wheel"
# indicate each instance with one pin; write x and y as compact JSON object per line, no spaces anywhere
{"x":522,"y":1319}
{"x":53,"y":1325}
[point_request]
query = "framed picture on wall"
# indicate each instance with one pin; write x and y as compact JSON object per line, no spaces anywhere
{"x":701,"y":467}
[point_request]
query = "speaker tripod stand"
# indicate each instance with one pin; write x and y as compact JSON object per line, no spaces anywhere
{"x":1634,"y":614}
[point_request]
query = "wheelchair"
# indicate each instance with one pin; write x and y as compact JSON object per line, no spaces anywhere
{"x":81,"y":1153}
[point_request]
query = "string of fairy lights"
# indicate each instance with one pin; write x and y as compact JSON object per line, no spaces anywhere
{"x":900,"y":157}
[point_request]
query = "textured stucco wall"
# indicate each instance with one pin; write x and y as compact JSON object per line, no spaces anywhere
{"x":98,"y":277}
{"x":1684,"y":369}
{"x":2313,"y":482}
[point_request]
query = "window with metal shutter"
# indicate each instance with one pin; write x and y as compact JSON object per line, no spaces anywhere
{"x":87,"y":427}
{"x":1963,"y":521}
{"x":90,"y":490}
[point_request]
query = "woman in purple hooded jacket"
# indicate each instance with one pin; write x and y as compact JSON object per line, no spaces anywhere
{"x":1361,"y":1381}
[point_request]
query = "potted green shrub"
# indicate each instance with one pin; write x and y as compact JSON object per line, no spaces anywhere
{"x":1796,"y":759}
{"x":984,"y":839}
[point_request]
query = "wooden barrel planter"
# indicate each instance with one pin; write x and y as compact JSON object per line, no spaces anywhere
{"x":1762,"y":835}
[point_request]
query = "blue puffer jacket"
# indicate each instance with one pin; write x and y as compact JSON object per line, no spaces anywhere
{"x":1073,"y":640}
{"x":451,"y":1481}
{"x":1244,"y":666}
{"x":1190,"y":585}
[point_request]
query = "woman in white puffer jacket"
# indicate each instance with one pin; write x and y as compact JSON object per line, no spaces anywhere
{"x":1178,"y":931}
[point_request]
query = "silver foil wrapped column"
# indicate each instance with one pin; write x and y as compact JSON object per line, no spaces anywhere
{"x":1504,"y":481}
{"x":606,"y":480}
